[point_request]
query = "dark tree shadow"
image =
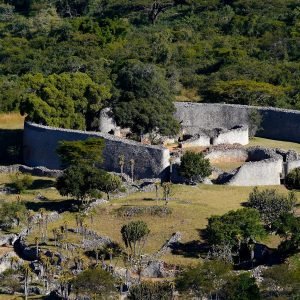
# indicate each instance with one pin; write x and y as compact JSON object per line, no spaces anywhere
{"x":42,"y":184}
{"x":11,"y":141}
{"x":191,"y":249}
{"x":59,"y":206}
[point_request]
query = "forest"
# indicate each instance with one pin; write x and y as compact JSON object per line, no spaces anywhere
{"x":61,"y":61}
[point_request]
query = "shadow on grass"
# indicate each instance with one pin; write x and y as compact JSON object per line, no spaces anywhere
{"x":191,"y":249}
{"x":42,"y":184}
{"x":59,"y":206}
{"x":11,"y":146}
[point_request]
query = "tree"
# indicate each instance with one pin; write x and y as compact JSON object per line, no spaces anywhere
{"x":109,"y":183}
{"x":94,"y":283}
{"x":67,"y":100}
{"x":144,"y":103}
{"x":206,"y":279}
{"x":87,"y":152}
{"x":242,"y":287}
{"x":167,"y":190}
{"x":235,"y":228}
{"x":134,"y":235}
{"x":271,"y":205}
{"x":151,"y":290}
{"x":194,"y":166}
{"x":287,"y":226}
{"x":292,"y":180}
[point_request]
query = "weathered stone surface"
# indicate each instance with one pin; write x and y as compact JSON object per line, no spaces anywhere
{"x":281,"y":124}
{"x":40,"y":144}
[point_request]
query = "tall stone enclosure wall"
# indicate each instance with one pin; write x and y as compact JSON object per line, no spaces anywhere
{"x":277,"y":123}
{"x":40,"y":144}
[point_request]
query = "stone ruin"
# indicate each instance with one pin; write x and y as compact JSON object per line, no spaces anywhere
{"x":204,"y":126}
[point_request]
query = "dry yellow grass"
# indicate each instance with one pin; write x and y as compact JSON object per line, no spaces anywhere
{"x":11,"y":121}
{"x":257,"y":141}
{"x":191,"y":206}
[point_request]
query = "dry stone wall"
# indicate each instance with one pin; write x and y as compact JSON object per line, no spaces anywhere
{"x":263,"y":168}
{"x":277,"y":123}
{"x":40,"y":144}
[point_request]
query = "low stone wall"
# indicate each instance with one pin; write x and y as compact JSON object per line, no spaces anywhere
{"x":35,"y":171}
{"x":198,"y":140}
{"x":236,"y":135}
{"x":281,"y":124}
{"x":40,"y":144}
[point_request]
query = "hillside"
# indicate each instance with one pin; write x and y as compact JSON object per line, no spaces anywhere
{"x":221,"y":51}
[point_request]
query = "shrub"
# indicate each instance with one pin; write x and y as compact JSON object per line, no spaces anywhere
{"x":293,"y":179}
{"x":194,"y":166}
{"x":242,"y":287}
{"x":270,"y":204}
{"x":12,"y":214}
{"x":21,"y":182}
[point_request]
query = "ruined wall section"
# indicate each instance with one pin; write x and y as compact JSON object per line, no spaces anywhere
{"x":40,"y":144}
{"x":236,"y":135}
{"x":277,"y":123}
{"x":264,"y":167}
{"x":227,"y":155}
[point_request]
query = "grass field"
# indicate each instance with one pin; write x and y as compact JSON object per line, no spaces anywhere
{"x":191,"y":206}
{"x":257,"y":141}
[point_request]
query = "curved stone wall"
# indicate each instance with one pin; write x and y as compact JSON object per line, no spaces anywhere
{"x":281,"y":124}
{"x":264,"y":167}
{"x":40,"y":144}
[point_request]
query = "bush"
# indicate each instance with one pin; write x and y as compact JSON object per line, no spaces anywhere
{"x":12,"y":214}
{"x":21,"y":182}
{"x":194,"y":166}
{"x":242,"y":287}
{"x":270,"y":204}
{"x":293,"y":179}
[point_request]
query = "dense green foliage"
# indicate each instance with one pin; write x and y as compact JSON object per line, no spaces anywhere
{"x":83,"y":178}
{"x":64,"y":60}
{"x":235,"y":229}
{"x":134,"y":234}
{"x":271,"y":204}
{"x":87,"y":152}
{"x":204,"y":280}
{"x":96,"y":283}
{"x":292,"y":180}
{"x":242,"y":287}
{"x":194,"y":166}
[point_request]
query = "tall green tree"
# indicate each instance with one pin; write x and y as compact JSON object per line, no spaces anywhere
{"x":134,"y":235}
{"x":67,"y":100}
{"x":144,"y":99}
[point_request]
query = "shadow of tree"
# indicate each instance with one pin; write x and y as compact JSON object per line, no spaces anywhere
{"x":42,"y":184}
{"x":11,"y":146}
{"x":191,"y":249}
{"x":56,"y":205}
